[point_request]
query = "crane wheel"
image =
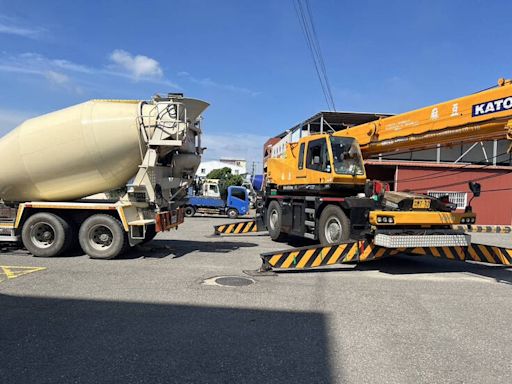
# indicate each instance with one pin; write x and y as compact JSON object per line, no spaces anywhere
{"x":103,"y":237}
{"x":46,"y":235}
{"x":333,"y":226}
{"x":274,"y":221}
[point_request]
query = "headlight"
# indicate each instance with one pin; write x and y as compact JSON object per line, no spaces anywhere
{"x":391,"y":220}
{"x":379,"y":219}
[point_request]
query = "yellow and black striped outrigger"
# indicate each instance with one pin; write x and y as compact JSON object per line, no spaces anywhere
{"x":361,"y":251}
{"x":254,"y":225}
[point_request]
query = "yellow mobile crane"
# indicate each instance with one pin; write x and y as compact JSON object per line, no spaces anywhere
{"x":319,"y":189}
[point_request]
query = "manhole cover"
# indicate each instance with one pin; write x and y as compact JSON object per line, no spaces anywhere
{"x":229,"y":281}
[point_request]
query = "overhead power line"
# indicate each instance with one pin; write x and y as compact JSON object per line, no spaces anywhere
{"x":305,"y":17}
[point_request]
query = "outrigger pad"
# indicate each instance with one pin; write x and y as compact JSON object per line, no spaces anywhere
{"x":238,"y":227}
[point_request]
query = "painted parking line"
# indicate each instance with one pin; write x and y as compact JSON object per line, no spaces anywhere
{"x":8,"y":272}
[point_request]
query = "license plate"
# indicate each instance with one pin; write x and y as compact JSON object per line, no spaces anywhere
{"x":421,"y":204}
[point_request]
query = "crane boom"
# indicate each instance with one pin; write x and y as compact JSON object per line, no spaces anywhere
{"x":481,"y":116}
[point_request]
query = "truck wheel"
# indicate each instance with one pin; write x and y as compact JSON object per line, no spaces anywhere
{"x":190,"y":211}
{"x":274,"y":220}
{"x":46,"y":235}
{"x":103,"y":237}
{"x":232,"y":213}
{"x":333,"y":226}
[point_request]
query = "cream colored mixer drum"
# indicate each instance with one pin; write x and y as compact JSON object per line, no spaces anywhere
{"x":72,"y":153}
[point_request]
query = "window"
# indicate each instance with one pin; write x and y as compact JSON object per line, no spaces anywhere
{"x":239,"y":193}
{"x":317,"y":158}
{"x":458,"y":198}
{"x":213,"y":188}
{"x":346,"y":156}
{"x":203,"y":170}
{"x":301,"y":156}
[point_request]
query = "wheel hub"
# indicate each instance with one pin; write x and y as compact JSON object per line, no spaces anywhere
{"x":333,"y":230}
{"x":274,"y":217}
{"x":42,"y":235}
{"x":100,"y":237}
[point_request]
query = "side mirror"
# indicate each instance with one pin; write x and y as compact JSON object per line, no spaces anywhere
{"x":475,"y":188}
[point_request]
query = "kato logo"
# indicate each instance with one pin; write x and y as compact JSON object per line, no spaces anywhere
{"x":494,"y":106}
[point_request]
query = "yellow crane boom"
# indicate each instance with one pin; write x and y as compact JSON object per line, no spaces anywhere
{"x":481,"y":116}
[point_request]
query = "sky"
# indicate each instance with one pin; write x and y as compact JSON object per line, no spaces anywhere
{"x":248,"y":59}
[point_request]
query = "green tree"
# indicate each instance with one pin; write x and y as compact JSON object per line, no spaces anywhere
{"x":220,"y":173}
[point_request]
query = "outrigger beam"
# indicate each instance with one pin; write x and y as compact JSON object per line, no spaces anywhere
{"x":362,"y":251}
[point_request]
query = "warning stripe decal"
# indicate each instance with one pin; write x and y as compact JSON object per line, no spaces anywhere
{"x":475,"y":252}
{"x":236,"y":228}
{"x":318,"y":256}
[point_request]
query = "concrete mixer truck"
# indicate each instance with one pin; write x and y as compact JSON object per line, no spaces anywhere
{"x":104,"y":174}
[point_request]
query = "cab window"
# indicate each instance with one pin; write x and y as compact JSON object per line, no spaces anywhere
{"x":239,"y":193}
{"x":301,"y":156}
{"x":213,"y":188}
{"x":318,"y":157}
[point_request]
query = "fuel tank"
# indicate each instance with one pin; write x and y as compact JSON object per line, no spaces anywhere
{"x":78,"y":151}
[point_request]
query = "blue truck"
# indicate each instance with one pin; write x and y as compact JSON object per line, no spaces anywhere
{"x":235,"y":204}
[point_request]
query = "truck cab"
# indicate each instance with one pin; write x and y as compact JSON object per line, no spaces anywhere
{"x":210,"y":188}
{"x":235,"y":204}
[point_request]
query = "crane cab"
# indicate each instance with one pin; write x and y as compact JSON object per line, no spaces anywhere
{"x":318,"y":160}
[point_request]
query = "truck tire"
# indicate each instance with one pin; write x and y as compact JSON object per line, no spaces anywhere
{"x":190,"y":211}
{"x":232,"y":213}
{"x":333,"y":226}
{"x":274,"y":221}
{"x":46,"y":235}
{"x":103,"y":237}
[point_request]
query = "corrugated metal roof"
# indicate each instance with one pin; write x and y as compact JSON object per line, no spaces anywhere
{"x":335,"y":120}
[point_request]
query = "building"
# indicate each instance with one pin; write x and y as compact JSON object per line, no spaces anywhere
{"x":242,"y":163}
{"x":438,"y":171}
{"x":207,"y":166}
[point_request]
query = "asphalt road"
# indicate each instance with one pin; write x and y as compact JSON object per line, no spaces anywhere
{"x":156,"y":316}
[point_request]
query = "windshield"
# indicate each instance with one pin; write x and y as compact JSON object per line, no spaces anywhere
{"x":346,"y":156}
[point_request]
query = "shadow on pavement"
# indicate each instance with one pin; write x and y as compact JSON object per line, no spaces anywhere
{"x":409,"y":265}
{"x":45,"y":340}
{"x":405,"y":264}
{"x":179,"y":248}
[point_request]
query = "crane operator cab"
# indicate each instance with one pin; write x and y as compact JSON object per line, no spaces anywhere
{"x":321,"y":160}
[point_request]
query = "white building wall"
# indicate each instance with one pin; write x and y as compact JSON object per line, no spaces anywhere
{"x":207,"y":166}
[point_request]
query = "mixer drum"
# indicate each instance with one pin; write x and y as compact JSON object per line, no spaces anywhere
{"x":71,"y":153}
